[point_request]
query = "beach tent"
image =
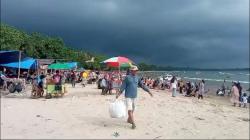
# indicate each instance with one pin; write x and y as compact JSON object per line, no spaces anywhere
{"x":26,"y":63}
{"x":10,"y":56}
{"x":61,"y":66}
{"x":67,"y":65}
{"x":72,"y":64}
{"x":44,"y":63}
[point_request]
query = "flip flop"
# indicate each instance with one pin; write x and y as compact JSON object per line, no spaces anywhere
{"x":133,"y":126}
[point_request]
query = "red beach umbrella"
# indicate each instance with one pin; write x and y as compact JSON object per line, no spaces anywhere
{"x":118,"y":62}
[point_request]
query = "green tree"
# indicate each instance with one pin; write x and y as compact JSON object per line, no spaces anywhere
{"x":41,"y":46}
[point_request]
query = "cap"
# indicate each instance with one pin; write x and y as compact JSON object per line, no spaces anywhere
{"x":134,"y":68}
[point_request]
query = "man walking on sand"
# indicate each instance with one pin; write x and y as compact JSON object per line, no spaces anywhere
{"x":130,"y":84}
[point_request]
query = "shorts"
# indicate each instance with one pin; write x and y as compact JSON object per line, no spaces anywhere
{"x":58,"y":87}
{"x":130,"y":103}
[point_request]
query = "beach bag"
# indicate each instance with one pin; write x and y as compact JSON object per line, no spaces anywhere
{"x":12,"y":88}
{"x":19,"y":87}
{"x":117,"y":109}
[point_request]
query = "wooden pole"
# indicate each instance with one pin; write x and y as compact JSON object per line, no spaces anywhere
{"x":19,"y":64}
{"x":119,"y":68}
{"x":37,"y":67}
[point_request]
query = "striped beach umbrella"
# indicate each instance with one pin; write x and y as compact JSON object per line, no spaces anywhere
{"x":118,"y":62}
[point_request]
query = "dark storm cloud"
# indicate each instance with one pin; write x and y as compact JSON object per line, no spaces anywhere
{"x":198,"y":33}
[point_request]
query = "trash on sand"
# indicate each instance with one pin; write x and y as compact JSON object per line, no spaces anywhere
{"x":199,"y":118}
{"x":116,"y":134}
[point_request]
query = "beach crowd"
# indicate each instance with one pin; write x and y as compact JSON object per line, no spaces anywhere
{"x":111,"y":81}
{"x":120,"y":82}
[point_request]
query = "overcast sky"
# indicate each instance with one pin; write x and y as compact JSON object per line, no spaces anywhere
{"x":195,"y":33}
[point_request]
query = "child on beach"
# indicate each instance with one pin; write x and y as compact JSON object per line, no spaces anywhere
{"x":173,"y":86}
{"x":244,"y":100}
{"x":104,"y":85}
{"x":201,"y":89}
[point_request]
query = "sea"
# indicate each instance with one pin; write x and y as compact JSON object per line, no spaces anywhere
{"x":213,"y":79}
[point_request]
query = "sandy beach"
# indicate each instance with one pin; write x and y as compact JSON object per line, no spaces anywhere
{"x":83,"y":114}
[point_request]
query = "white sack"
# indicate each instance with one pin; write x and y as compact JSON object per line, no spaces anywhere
{"x":117,"y":109}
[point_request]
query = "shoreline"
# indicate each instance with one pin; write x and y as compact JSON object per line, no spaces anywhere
{"x":211,"y":83}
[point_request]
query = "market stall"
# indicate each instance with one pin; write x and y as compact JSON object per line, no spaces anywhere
{"x":55,"y":85}
{"x":55,"y":90}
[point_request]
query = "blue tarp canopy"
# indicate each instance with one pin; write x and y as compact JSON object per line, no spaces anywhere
{"x":72,"y":64}
{"x":26,"y":63}
{"x":10,"y":56}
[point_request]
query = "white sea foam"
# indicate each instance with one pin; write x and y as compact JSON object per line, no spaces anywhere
{"x":225,"y":73}
{"x":217,"y":80}
{"x":247,"y":74}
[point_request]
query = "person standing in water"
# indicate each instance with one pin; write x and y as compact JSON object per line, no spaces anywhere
{"x":130,"y":84}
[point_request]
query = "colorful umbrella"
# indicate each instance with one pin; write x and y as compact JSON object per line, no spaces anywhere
{"x":118,"y":62}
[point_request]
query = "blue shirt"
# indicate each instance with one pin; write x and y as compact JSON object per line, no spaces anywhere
{"x":39,"y":79}
{"x":130,"y":84}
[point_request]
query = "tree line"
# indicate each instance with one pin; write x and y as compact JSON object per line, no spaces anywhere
{"x":41,"y":46}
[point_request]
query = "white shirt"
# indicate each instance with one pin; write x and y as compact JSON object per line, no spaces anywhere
{"x":161,"y":79}
{"x":244,"y":99}
{"x":174,"y":84}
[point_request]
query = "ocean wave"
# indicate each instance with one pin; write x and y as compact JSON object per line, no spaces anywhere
{"x":217,"y":80}
{"x":225,"y":73}
{"x":247,"y":74}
